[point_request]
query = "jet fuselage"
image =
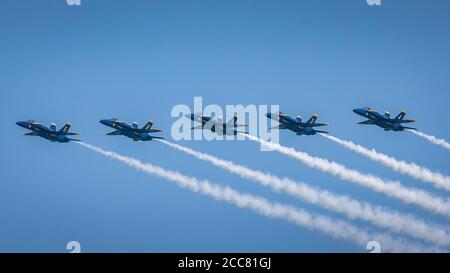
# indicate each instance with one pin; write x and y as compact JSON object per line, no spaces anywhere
{"x":383,"y":121}
{"x":296,"y":125}
{"x":45,"y":132}
{"x":129,"y":131}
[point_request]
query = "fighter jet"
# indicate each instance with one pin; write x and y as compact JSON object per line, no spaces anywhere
{"x":132,"y":131}
{"x":297,"y":125}
{"x":216,"y":125}
{"x":384,"y":121}
{"x":48,"y":133}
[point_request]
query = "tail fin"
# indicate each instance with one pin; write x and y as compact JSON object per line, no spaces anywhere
{"x":313,"y":119}
{"x":65,"y":128}
{"x":148,"y":126}
{"x":401,"y":116}
{"x":235,"y":118}
{"x":232,"y":122}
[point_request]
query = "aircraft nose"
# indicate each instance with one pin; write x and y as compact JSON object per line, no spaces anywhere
{"x":269,"y":115}
{"x":21,"y":123}
{"x":358,"y":111}
{"x":106,"y":122}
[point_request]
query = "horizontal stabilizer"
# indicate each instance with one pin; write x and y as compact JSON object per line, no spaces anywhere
{"x":77,"y":140}
{"x":154,"y":130}
{"x":410,"y":128}
{"x":405,"y":121}
{"x":321,"y":132}
{"x":318,"y":124}
{"x":155,"y":137}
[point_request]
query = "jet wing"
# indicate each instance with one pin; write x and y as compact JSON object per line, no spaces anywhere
{"x":210,"y":124}
{"x":114,"y":133}
{"x":31,"y":134}
{"x":367,"y":122}
{"x":281,"y":126}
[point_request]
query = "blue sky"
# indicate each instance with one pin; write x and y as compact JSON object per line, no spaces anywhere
{"x":137,"y":59}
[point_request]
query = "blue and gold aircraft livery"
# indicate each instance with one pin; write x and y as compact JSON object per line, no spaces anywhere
{"x":384,"y":121}
{"x":48,"y":133}
{"x":216,"y":125}
{"x":297,"y":125}
{"x":132,"y":131}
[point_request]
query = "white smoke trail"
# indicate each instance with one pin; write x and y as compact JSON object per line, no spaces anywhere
{"x":432,"y":139}
{"x":418,"y":172}
{"x":351,"y":208}
{"x":388,"y":187}
{"x":332,"y":227}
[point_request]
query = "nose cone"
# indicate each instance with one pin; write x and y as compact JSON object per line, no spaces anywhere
{"x":269,"y":115}
{"x":21,"y":123}
{"x":190,"y":116}
{"x":106,"y":122}
{"x":358,"y":111}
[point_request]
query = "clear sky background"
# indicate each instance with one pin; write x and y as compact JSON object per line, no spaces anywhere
{"x":135,"y":60}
